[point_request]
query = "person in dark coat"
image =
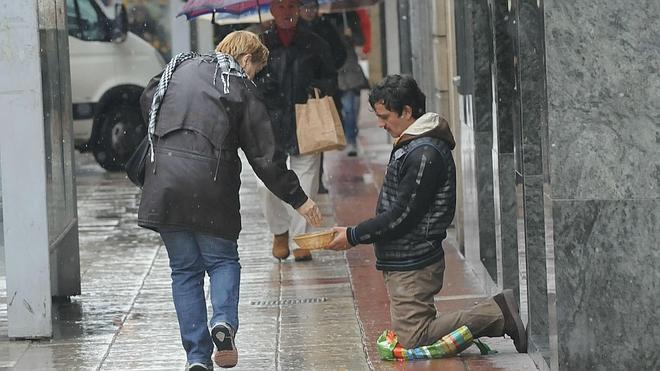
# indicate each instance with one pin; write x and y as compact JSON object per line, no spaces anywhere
{"x":299,"y":61}
{"x":415,"y":206}
{"x":351,"y":81}
{"x":323,"y":27}
{"x":201,"y":110}
{"x":350,"y":77}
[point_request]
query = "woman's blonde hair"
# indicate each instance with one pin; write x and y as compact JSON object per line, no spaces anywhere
{"x":239,"y":43}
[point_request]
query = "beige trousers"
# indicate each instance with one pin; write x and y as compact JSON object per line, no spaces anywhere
{"x":415,"y":319}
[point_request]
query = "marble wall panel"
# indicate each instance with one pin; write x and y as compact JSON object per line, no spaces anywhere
{"x":507,"y":102}
{"x":507,"y":97}
{"x":532,"y":84}
{"x":603,"y":77}
{"x":528,"y":126}
{"x":477,"y":140}
{"x":607,"y":274}
{"x":482,"y":39}
{"x":537,"y":280}
{"x":470,"y":195}
{"x":603,"y":161}
{"x":497,"y":208}
{"x":522,"y":246}
{"x":486,"y":203}
{"x":478,"y":202}
{"x":505,"y":228}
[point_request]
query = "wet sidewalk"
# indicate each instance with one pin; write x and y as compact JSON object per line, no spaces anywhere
{"x":292,"y":316}
{"x":320,"y":315}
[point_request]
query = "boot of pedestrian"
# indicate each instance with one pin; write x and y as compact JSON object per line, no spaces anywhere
{"x":302,"y":255}
{"x":226,"y":354}
{"x":513,"y":325}
{"x":281,"y":245}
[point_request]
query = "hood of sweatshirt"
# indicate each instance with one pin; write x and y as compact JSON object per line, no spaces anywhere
{"x":428,"y":125}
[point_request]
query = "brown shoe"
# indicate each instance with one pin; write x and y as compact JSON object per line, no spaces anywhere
{"x":513,"y":325}
{"x":302,"y":255}
{"x":281,"y":245}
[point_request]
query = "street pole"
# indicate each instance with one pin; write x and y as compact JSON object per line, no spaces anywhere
{"x":25,"y":205}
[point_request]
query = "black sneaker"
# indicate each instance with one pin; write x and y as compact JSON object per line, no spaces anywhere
{"x":226,"y":355}
{"x":197,"y":367}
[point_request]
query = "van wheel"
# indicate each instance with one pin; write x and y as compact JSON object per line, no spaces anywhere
{"x":121,"y":130}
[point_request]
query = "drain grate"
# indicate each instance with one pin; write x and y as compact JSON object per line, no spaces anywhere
{"x":274,"y":303}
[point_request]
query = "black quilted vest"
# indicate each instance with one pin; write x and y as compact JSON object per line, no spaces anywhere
{"x":422,"y":245}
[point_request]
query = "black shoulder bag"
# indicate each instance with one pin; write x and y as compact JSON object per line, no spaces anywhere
{"x":135,"y":166}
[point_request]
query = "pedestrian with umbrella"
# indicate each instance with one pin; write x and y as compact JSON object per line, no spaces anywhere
{"x":299,"y":61}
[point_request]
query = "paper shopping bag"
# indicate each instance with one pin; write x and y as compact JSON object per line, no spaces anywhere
{"x":318,"y":125}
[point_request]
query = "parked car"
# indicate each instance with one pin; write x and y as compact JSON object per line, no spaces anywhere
{"x":109,"y":69}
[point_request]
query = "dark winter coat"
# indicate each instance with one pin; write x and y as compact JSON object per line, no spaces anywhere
{"x":194,"y":182}
{"x":349,"y":73}
{"x":289,"y":77}
{"x":350,"y":76}
{"x":328,"y":32}
{"x":416,"y":203}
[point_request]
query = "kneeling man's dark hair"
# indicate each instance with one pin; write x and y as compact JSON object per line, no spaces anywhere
{"x":397,"y":91}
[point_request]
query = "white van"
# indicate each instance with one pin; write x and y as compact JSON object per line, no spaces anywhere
{"x":109,"y":69}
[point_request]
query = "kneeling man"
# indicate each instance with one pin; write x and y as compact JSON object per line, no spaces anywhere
{"x":415,"y":207}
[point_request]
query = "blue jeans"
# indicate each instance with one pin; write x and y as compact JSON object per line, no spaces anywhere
{"x":350,"y":107}
{"x":191,"y":256}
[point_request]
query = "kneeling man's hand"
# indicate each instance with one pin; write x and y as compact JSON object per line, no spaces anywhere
{"x":340,"y":242}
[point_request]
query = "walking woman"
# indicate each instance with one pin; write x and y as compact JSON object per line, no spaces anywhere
{"x":201,"y":109}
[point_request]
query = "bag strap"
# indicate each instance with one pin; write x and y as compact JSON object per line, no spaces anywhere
{"x":317,"y":94}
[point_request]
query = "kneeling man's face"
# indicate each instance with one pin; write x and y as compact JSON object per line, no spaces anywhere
{"x":391,"y":121}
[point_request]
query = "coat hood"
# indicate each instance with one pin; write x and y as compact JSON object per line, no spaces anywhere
{"x":428,"y":125}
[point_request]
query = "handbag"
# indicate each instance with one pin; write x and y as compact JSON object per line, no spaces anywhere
{"x":318,"y":125}
{"x":135,"y":165}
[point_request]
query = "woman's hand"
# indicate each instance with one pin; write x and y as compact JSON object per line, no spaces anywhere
{"x":340,"y":242}
{"x":310,"y":211}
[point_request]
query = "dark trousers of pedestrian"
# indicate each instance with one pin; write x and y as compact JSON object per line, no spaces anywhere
{"x":350,"y":108}
{"x":415,"y":319}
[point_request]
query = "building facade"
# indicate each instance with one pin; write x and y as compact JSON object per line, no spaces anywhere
{"x":556,"y":109}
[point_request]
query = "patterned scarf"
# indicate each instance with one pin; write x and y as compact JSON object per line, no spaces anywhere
{"x":224,"y":63}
